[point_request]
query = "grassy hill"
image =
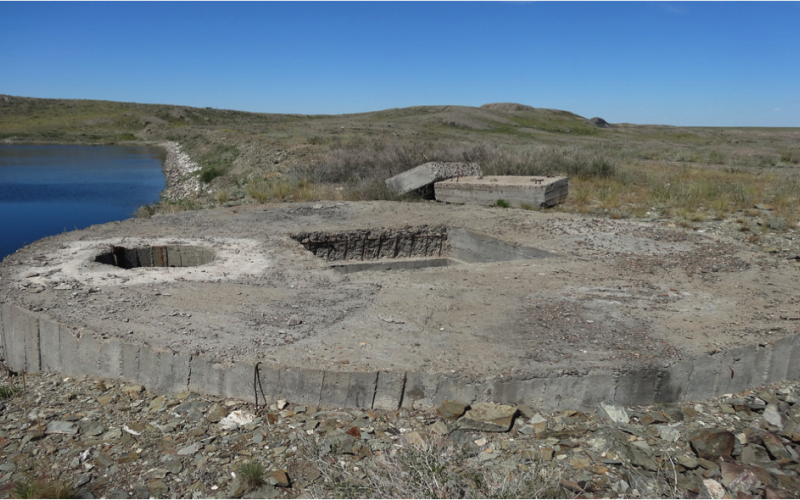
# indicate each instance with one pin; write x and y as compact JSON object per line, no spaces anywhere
{"x":689,"y":174}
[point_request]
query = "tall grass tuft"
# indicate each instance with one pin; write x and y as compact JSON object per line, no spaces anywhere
{"x":43,"y":488}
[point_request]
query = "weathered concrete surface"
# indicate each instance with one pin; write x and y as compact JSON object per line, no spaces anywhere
{"x":579,"y":311}
{"x":428,"y":173}
{"x":516,"y":190}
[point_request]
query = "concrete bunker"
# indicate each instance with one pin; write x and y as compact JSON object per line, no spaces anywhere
{"x":156,"y":256}
{"x":410,"y":248}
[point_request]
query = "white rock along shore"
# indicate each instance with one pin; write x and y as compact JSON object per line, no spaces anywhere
{"x":177,"y":169}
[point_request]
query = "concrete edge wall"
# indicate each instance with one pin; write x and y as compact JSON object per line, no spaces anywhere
{"x":33,"y":343}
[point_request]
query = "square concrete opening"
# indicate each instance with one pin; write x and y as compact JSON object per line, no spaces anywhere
{"x":410,"y":248}
{"x":156,"y":256}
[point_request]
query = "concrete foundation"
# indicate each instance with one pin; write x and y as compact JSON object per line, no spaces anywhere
{"x":518,"y":191}
{"x":539,"y":309}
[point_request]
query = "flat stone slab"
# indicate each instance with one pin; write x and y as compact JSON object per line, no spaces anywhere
{"x":518,"y":191}
{"x":488,"y":417}
{"x":575,"y":311}
{"x":428,"y":173}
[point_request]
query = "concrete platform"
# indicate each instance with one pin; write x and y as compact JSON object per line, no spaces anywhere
{"x":389,"y":305}
{"x":533,"y":191}
{"x":426,"y":174}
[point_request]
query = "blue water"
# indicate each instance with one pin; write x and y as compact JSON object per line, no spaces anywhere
{"x":47,"y":190}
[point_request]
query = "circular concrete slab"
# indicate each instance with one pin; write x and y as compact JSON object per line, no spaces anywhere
{"x":588,"y":309}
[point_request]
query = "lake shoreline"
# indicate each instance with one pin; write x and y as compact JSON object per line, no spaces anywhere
{"x":178,"y":170}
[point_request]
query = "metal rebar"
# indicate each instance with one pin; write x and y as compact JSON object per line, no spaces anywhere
{"x":380,"y":244}
{"x":363,"y":247}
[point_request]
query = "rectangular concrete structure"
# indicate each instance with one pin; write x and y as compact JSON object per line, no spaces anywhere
{"x":238,"y":381}
{"x":130,"y":362}
{"x":50,"y":345}
{"x":564,"y":392}
{"x":29,"y":325}
{"x":703,"y":379}
{"x":110,"y":363}
{"x":428,"y":173}
{"x":389,"y":391}
{"x":516,"y":190}
{"x":302,"y":385}
{"x":270,"y":377}
{"x":673,"y":382}
{"x":420,"y":391}
{"x":455,"y":388}
{"x":361,"y":390}
{"x":68,"y":352}
{"x":15,"y":327}
{"x":530,"y":391}
{"x":174,"y":376}
{"x":793,"y":372}
{"x":636,"y":388}
{"x":600,"y":387}
{"x":780,"y":359}
{"x":334,"y":389}
{"x":207,"y":377}
{"x":13,"y":343}
{"x":36,"y":342}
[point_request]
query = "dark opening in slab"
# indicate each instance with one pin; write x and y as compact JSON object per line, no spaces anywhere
{"x":156,"y":256}
{"x":410,"y":248}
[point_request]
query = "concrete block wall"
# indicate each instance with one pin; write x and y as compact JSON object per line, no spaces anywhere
{"x":32,"y":342}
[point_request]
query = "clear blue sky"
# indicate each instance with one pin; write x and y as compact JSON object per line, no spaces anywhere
{"x":716,"y":64}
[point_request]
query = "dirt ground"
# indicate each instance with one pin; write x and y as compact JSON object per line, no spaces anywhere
{"x":617,"y":294}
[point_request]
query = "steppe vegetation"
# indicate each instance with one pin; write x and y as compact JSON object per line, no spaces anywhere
{"x":687,"y":174}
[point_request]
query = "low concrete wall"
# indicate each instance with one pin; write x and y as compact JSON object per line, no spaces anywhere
{"x":33,"y":342}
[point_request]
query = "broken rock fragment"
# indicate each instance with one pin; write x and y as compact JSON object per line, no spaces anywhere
{"x":488,"y":417}
{"x":451,"y":410}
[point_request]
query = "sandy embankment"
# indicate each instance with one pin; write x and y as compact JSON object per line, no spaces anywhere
{"x":178,"y":168}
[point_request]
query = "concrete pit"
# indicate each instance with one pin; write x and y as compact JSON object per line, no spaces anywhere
{"x":156,"y":256}
{"x":556,"y":311}
{"x":410,"y":248}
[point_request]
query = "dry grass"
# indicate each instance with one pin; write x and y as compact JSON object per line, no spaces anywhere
{"x":440,"y":469}
{"x":625,"y":171}
{"x":688,"y":193}
{"x":43,"y":488}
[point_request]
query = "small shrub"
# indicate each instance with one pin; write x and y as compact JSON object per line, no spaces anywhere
{"x":208,"y":174}
{"x":602,"y":168}
{"x":526,"y":206}
{"x":790,"y":156}
{"x":43,"y":488}
{"x":252,"y":475}
{"x":259,"y":191}
{"x":716,"y":157}
{"x":8,"y":392}
{"x":145,"y":212}
{"x":502,"y":203}
{"x":222,"y":196}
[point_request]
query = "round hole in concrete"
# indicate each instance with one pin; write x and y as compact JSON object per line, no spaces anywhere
{"x":156,"y":256}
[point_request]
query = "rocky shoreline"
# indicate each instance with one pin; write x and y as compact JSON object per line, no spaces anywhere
{"x":104,"y":438}
{"x":178,"y":170}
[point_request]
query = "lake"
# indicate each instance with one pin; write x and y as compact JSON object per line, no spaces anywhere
{"x":47,"y":190}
